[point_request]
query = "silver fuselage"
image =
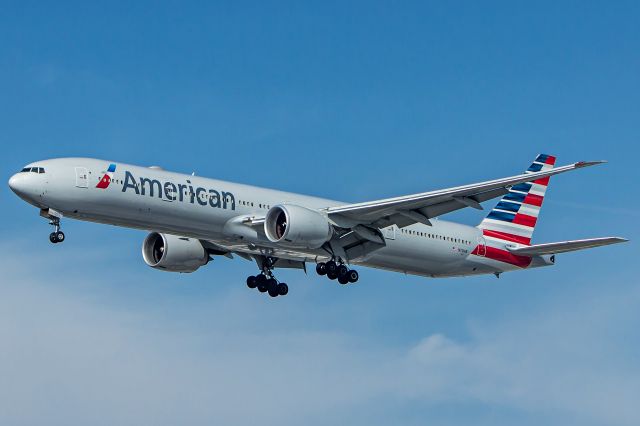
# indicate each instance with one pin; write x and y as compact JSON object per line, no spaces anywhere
{"x":154,"y":199}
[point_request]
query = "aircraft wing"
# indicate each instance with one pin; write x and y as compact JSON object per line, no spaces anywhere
{"x":419,"y":208}
{"x":565,"y":246}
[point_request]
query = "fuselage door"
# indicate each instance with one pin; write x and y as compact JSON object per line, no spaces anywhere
{"x":390,"y":232}
{"x":82,"y":177}
{"x":482,"y":247}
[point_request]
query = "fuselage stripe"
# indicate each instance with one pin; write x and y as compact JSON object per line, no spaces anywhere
{"x":503,"y":256}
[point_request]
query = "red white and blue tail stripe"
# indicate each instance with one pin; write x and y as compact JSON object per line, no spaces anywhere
{"x":514,"y":218}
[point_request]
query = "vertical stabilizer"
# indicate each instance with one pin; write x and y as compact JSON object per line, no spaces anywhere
{"x":514,"y":218}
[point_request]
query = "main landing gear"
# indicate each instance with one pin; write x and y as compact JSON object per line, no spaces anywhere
{"x":339,"y":270}
{"x":57,"y":236}
{"x":266,"y":282}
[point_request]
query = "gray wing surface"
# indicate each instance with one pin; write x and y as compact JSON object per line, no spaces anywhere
{"x":419,"y":208}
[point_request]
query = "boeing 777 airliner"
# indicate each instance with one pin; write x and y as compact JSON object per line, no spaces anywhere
{"x":191,"y":219}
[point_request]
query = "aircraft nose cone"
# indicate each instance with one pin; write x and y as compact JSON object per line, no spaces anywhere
{"x":23,"y":185}
{"x":16,"y":183}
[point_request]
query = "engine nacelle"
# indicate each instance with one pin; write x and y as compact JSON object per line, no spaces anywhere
{"x":172,"y":253}
{"x":297,"y":226}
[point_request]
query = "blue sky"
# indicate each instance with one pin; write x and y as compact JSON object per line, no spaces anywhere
{"x":352,"y":101}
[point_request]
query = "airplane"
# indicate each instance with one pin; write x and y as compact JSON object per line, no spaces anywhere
{"x":191,"y":219}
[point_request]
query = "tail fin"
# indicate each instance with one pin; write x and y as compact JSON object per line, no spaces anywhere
{"x":514,"y":218}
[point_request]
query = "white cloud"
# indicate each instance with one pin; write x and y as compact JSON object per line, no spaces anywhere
{"x":79,"y":357}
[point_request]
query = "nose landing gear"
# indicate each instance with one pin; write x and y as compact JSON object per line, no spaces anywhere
{"x":57,"y":236}
{"x":337,"y":270}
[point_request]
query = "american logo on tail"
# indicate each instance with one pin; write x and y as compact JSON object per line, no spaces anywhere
{"x":514,"y":218}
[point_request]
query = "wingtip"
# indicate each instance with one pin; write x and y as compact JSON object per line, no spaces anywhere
{"x":590,"y":163}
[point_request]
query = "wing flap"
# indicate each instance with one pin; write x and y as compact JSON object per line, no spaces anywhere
{"x":565,"y":246}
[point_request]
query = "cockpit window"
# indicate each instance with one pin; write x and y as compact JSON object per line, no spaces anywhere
{"x":39,"y":170}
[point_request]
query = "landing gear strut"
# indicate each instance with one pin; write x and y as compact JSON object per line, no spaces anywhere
{"x":266,"y":281}
{"x":57,"y":236}
{"x":337,"y":270}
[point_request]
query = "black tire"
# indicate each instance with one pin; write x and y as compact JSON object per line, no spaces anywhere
{"x":53,"y":238}
{"x":272,"y":285}
{"x":353,"y":276}
{"x":283,"y":289}
{"x":342,"y":271}
{"x":252,"y":282}
{"x":261,"y":280}
{"x":343,"y":280}
{"x":332,"y":275}
{"x":262,"y":288}
{"x":332,"y":267}
{"x":60,"y":236}
{"x":273,"y":292}
{"x":321,"y":268}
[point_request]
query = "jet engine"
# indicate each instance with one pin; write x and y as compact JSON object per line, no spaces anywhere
{"x":297,"y":226}
{"x":172,"y":253}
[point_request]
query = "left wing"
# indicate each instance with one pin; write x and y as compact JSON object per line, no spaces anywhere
{"x":419,"y":208}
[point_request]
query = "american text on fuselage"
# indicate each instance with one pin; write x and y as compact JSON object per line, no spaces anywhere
{"x":177,"y":192}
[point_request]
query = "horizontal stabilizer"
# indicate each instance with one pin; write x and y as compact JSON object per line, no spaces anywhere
{"x":565,"y":246}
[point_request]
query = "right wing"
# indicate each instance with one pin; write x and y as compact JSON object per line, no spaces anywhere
{"x":419,"y":208}
{"x":565,"y":246}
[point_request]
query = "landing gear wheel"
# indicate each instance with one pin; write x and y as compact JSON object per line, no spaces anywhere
{"x":53,"y":238}
{"x":353,"y":276}
{"x":274,"y":292}
{"x":332,"y":267}
{"x":59,"y":236}
{"x":261,"y":282}
{"x":343,"y":279}
{"x":332,"y":275}
{"x":252,"y":282}
{"x":283,"y":289}
{"x":342,"y":271}
{"x":272,"y":284}
{"x":321,"y":268}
